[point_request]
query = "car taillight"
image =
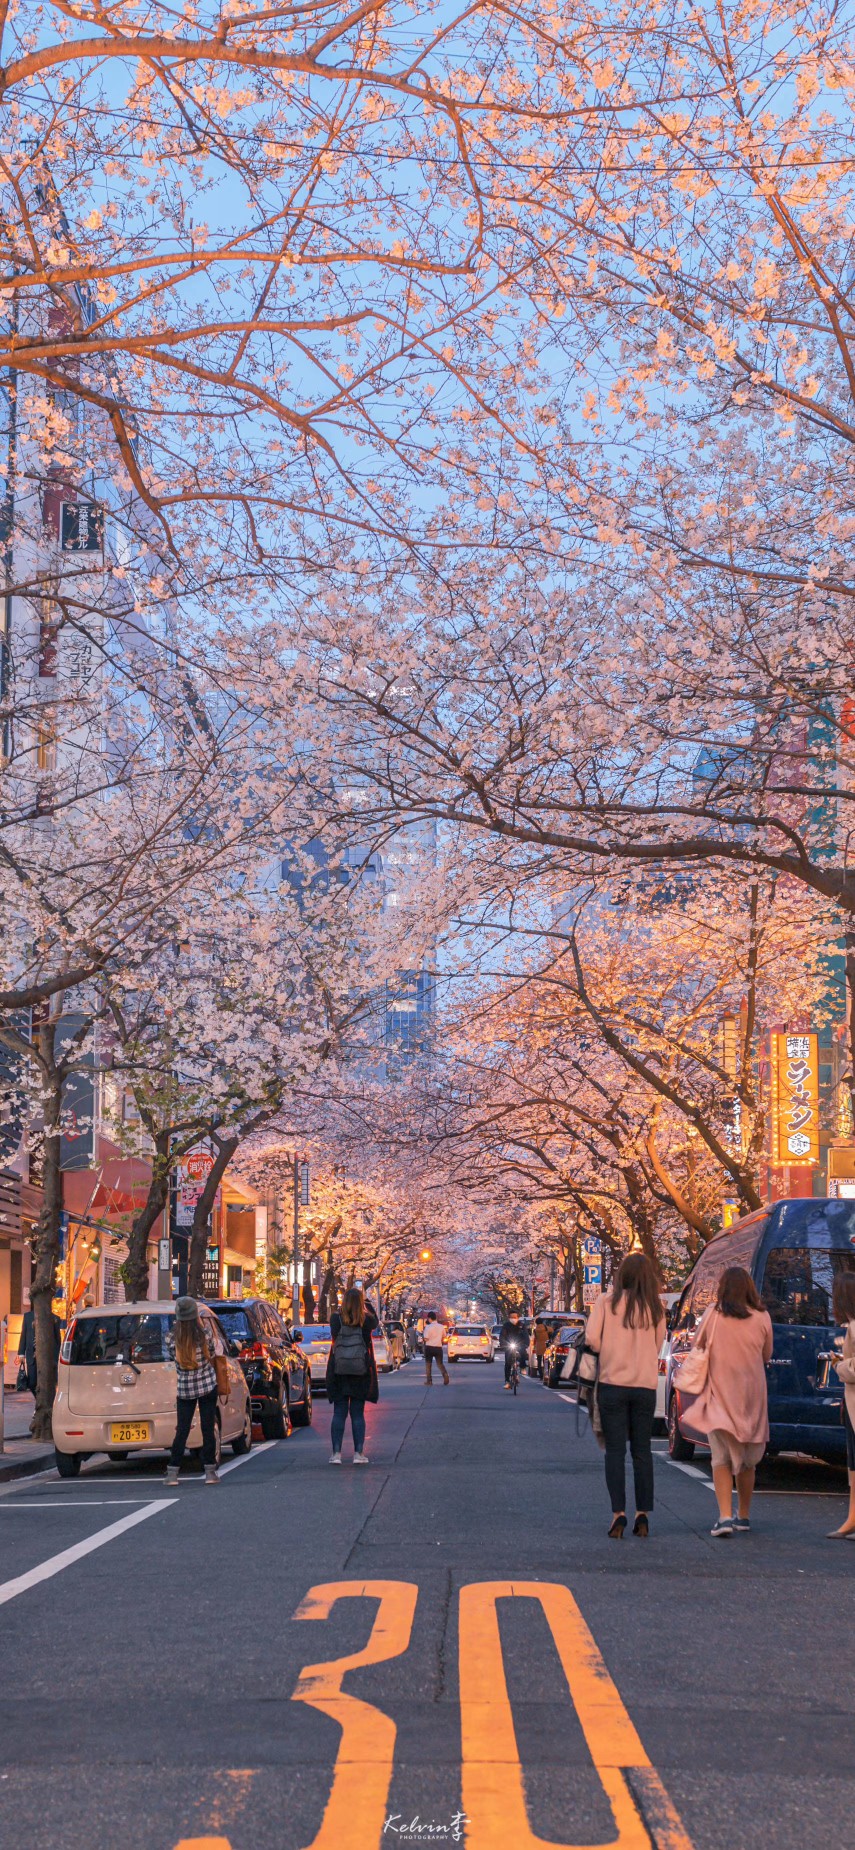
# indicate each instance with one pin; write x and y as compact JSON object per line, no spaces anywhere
{"x":255,"y":1352}
{"x":485,"y":1342}
{"x":67,"y":1341}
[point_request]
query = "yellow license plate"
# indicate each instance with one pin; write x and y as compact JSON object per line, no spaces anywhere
{"x":130,"y":1434}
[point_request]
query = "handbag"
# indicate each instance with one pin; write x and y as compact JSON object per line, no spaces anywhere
{"x":589,"y":1366}
{"x":221,"y":1370}
{"x":693,"y":1372}
{"x":21,"y":1379}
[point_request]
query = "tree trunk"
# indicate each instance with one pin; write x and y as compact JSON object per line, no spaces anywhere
{"x":45,"y":1250}
{"x":202,"y":1215}
{"x":135,"y":1269}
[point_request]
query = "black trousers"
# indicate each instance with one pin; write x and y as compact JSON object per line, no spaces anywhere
{"x":627,"y":1414}
{"x":207,"y":1419}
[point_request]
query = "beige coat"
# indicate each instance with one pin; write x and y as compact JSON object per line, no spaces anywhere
{"x":628,"y":1357}
{"x":735,"y":1398}
{"x":849,"y":1386}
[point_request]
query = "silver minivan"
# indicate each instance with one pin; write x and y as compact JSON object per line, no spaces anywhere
{"x":116,"y":1386}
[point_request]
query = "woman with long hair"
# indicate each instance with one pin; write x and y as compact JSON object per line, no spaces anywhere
{"x":843,"y":1306}
{"x":625,"y":1329}
{"x":196,"y":1385}
{"x":351,"y":1372}
{"x":733,"y":1406}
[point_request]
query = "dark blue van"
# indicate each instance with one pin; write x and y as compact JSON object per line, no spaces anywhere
{"x":793,"y":1250}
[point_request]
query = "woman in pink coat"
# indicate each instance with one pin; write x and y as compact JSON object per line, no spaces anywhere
{"x":733,"y":1407}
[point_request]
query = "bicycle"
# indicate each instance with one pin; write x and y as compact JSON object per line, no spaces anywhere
{"x":514,"y":1375}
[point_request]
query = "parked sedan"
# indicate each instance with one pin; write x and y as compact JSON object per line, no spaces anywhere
{"x":277,"y":1371}
{"x":557,"y":1364}
{"x":470,"y":1342}
{"x":384,"y":1350}
{"x":316,"y":1342}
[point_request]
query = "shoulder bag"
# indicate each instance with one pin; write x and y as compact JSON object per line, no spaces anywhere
{"x":221,"y":1370}
{"x":692,"y":1374}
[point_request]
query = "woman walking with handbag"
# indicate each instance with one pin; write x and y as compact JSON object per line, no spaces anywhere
{"x":732,"y":1407}
{"x":351,"y":1372}
{"x":198,"y":1381}
{"x":843,"y":1306}
{"x":625,"y":1329}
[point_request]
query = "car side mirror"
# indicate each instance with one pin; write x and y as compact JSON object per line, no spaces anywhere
{"x":296,"y":1336}
{"x":232,"y":1348}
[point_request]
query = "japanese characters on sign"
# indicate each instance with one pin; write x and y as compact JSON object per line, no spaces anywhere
{"x":795,"y":1099}
{"x":191,"y":1176}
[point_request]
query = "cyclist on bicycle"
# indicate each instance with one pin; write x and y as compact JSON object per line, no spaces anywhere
{"x":514,"y":1342}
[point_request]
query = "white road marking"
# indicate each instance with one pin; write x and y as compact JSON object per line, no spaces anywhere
{"x":88,"y":1503}
{"x":57,"y":1563}
{"x":690,"y":1470}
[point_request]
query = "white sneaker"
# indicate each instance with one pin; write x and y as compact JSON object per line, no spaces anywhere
{"x":335,"y":1458}
{"x":359,"y":1458}
{"x":507,"y":1387}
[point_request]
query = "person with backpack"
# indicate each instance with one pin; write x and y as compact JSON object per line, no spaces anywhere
{"x":351,"y":1377}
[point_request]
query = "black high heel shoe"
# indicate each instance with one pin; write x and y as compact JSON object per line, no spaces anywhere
{"x":617,"y":1528}
{"x":641,"y":1526}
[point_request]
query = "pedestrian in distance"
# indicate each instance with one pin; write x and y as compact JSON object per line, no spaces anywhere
{"x":27,"y":1349}
{"x":512,"y":1340}
{"x":732,"y":1407}
{"x":195,"y":1386}
{"x":625,"y":1329}
{"x":351,"y":1377}
{"x":435,"y":1334}
{"x":843,"y":1305}
{"x":540,"y":1345}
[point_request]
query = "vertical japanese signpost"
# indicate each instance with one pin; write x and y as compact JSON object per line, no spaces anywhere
{"x":592,"y":1269}
{"x":795,"y":1099}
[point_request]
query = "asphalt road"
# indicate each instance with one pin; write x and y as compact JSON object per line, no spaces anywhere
{"x":152,"y":1644}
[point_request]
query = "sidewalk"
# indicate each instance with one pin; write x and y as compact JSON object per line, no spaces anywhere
{"x":21,"y":1455}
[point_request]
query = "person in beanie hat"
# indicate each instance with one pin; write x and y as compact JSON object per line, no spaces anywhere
{"x":196,"y":1384}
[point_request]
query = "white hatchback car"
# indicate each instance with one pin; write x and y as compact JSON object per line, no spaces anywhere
{"x":316,"y":1339}
{"x":116,"y":1386}
{"x":472,"y":1341}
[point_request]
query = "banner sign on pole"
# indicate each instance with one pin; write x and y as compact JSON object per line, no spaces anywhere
{"x":795,"y":1099}
{"x":191,"y":1174}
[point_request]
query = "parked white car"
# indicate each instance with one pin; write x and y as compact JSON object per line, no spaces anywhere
{"x":384,"y":1351}
{"x":316,"y":1339}
{"x":116,"y":1386}
{"x":660,"y":1421}
{"x":470,"y":1341}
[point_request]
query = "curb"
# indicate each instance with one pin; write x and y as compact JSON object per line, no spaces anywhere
{"x":24,"y":1467}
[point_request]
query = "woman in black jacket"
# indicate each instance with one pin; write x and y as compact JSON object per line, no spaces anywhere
{"x":351,"y":1372}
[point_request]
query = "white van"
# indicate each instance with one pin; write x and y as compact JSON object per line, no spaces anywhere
{"x":116,"y":1386}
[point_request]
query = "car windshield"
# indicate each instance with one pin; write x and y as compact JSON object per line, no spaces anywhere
{"x":469,"y":1329}
{"x":95,"y":1342}
{"x":798,"y":1283}
{"x":316,"y":1333}
{"x":236,"y":1323}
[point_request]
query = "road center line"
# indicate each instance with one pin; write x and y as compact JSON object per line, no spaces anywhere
{"x":57,"y":1563}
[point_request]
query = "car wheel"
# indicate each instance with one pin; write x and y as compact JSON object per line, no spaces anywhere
{"x":68,"y":1463}
{"x":302,"y":1415}
{"x":244,"y":1443}
{"x":680,"y":1449}
{"x":276,"y":1424}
